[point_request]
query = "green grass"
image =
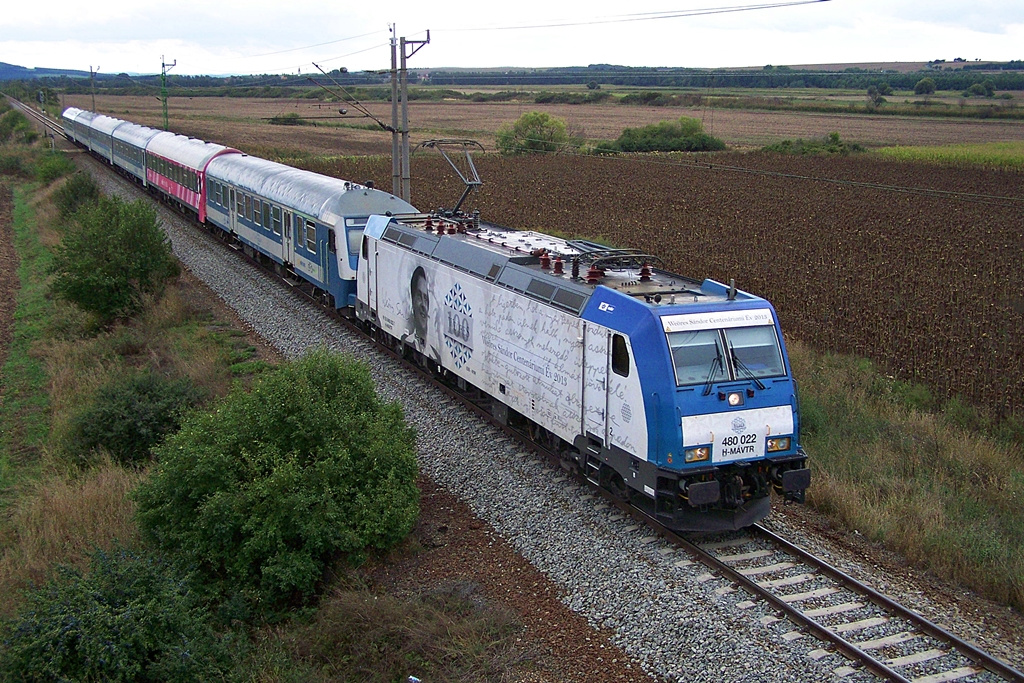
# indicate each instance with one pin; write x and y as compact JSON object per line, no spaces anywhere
{"x":24,"y":412}
{"x":1008,"y":155}
{"x":890,"y":464}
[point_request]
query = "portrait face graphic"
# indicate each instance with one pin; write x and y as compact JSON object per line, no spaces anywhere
{"x":420,"y":302}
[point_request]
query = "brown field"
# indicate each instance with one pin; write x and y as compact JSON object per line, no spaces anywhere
{"x":243,"y":123}
{"x":917,"y":267}
{"x":854,"y":257}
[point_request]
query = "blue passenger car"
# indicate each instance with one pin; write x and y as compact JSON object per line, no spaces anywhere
{"x":130,"y":141}
{"x":308,"y":224}
{"x":101,"y":132}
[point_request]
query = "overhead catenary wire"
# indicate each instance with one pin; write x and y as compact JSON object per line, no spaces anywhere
{"x":644,"y":16}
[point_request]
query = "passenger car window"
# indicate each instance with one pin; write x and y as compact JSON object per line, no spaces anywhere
{"x":311,"y":236}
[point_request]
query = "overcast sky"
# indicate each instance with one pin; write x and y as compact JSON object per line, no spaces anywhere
{"x":264,"y":36}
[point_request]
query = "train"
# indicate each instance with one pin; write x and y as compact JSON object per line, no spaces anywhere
{"x":673,"y":393}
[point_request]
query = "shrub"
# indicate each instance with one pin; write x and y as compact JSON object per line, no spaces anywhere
{"x":684,"y":135}
{"x":264,"y":491}
{"x":112,"y":257}
{"x":831,"y":144}
{"x":290,"y":119}
{"x":132,"y":414}
{"x":925,"y":86}
{"x":14,"y":126}
{"x":12,"y":164}
{"x":532,"y":133}
{"x":79,"y":190}
{"x":449,"y":634}
{"x":130,"y":618}
{"x":53,"y":166}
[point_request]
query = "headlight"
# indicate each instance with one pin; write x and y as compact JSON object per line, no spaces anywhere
{"x":780,"y":443}
{"x":697,"y":454}
{"x":735,"y":398}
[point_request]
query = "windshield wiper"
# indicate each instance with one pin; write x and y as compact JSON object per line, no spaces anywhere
{"x":738,"y":364}
{"x":716,"y":364}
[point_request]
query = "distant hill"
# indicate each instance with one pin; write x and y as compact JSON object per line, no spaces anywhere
{"x":12,"y":72}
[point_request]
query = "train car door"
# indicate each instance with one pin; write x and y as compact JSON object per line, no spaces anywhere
{"x":595,"y":382}
{"x":231,"y":213}
{"x":286,"y":236}
{"x":369,"y":252}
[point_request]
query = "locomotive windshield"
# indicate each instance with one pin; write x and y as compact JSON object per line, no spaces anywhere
{"x":735,"y":353}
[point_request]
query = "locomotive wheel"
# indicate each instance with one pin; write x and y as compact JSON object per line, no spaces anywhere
{"x":617,"y":487}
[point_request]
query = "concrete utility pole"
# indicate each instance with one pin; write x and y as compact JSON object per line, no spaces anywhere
{"x":164,"y":68}
{"x":396,"y":173}
{"x":92,"y":84}
{"x":406,"y":179}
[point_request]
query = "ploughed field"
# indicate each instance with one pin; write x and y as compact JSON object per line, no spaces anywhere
{"x":852,"y":252}
{"x":915,"y":266}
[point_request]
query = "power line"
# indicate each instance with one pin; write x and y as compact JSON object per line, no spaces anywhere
{"x":646,"y":16}
{"x":309,"y":47}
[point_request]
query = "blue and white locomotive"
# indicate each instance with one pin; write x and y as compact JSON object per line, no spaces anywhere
{"x":674,"y":393}
{"x":669,"y":391}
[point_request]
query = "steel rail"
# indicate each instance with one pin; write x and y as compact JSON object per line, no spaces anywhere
{"x":978,"y":656}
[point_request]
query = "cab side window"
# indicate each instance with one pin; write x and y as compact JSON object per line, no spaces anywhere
{"x":620,"y":356}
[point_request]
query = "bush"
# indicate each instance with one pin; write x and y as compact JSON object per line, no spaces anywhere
{"x":52,"y":166}
{"x":685,"y":135}
{"x":130,"y":618}
{"x":112,"y":257}
{"x":449,"y":634}
{"x":14,"y":126}
{"x":831,"y":144}
{"x":12,"y":164}
{"x":270,"y":487}
{"x":79,"y":190}
{"x":925,"y":86}
{"x":132,"y":414}
{"x":532,"y":133}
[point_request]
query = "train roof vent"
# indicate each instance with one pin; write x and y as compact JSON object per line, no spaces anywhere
{"x":468,"y":257}
{"x":569,"y":300}
{"x":541,"y":289}
{"x":422,"y":243}
{"x":515,"y":277}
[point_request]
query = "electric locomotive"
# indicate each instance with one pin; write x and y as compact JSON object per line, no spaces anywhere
{"x":674,"y":393}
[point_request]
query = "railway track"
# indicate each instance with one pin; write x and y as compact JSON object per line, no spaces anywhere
{"x":872,"y":631}
{"x":868,"y":628}
{"x":51,"y":127}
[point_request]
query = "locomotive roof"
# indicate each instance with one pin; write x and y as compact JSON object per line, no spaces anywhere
{"x":188,"y":151}
{"x":525,"y":260}
{"x":311,"y":193}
